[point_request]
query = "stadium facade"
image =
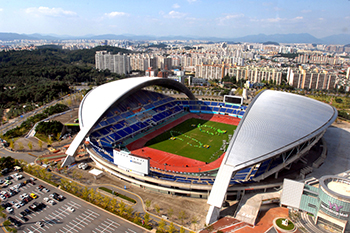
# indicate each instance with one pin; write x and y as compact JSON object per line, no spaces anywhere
{"x":276,"y":132}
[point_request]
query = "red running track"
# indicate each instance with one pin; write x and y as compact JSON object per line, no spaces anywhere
{"x":177,"y":163}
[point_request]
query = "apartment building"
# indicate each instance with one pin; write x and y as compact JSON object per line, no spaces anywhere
{"x":116,"y":63}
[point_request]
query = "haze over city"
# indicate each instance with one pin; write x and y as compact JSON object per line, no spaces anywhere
{"x":183,"y":17}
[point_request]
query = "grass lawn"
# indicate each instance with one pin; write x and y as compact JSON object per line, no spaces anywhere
{"x":289,"y":227}
{"x":189,"y":140}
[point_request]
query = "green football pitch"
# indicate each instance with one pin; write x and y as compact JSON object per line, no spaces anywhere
{"x":194,"y":138}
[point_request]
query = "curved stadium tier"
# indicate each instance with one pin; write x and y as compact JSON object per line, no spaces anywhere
{"x":180,"y":146}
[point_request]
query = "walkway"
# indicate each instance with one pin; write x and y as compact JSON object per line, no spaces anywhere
{"x":249,"y":206}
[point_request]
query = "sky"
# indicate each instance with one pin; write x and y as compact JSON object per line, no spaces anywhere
{"x":216,"y":18}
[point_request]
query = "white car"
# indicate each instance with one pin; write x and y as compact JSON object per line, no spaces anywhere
{"x":45,"y":190}
{"x":46,"y":199}
{"x":2,"y":197}
{"x":17,"y":205}
{"x":9,"y":210}
{"x":40,"y":224}
{"x":70,"y":209}
{"x":24,"y":195}
{"x":51,"y":202}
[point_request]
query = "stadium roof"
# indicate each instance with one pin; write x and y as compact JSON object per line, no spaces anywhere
{"x":273,"y":123}
{"x":98,"y":101}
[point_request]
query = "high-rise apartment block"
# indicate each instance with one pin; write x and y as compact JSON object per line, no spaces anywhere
{"x":116,"y":63}
{"x":318,"y":80}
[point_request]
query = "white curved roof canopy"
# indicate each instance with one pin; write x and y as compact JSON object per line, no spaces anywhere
{"x":276,"y":122}
{"x":98,"y":101}
{"x":273,"y":123}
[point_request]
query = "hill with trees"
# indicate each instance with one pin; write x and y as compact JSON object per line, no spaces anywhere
{"x":44,"y":74}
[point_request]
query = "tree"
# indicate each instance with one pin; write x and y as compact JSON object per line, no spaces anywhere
{"x":161,"y":225}
{"x":91,"y":194}
{"x":98,"y":198}
{"x":20,"y":146}
{"x":146,"y":218}
{"x":128,"y":211}
{"x":121,"y":208}
{"x":170,"y":212}
{"x":105,"y":202}
{"x":148,"y":204}
{"x":40,"y":144}
{"x":137,"y":218}
{"x":85,"y":193}
{"x":113,"y":204}
{"x":182,"y":230}
{"x":171,"y":228}
{"x":157,"y":208}
{"x":74,"y":174}
{"x":30,"y":145}
{"x":182,"y":216}
{"x":12,"y":145}
{"x":194,"y":221}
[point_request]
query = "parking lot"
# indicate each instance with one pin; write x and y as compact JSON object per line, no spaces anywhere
{"x":68,"y":215}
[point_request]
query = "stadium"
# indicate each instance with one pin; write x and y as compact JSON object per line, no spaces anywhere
{"x":197,"y":148}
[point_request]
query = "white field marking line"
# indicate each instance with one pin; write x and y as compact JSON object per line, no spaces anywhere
{"x":132,"y":230}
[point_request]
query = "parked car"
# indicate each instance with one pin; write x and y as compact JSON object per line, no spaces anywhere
{"x":23,"y":213}
{"x":39,"y":224}
{"x":45,"y":190}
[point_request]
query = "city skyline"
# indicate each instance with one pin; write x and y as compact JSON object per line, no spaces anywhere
{"x":187,"y":17}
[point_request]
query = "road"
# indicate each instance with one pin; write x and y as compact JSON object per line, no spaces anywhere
{"x":18,"y":155}
{"x":19,"y":120}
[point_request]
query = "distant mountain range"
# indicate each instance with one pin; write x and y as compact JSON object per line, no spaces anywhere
{"x":260,"y":38}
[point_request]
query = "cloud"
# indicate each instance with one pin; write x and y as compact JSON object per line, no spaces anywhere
{"x":298,"y":18}
{"x":321,"y":19}
{"x":276,"y":20}
{"x":116,"y":14}
{"x":305,"y":11}
{"x":175,"y":15}
{"x":277,"y":8}
{"x":1,"y":9}
{"x":227,"y":17}
{"x":46,"y":11}
{"x":176,"y":6}
{"x":192,"y":1}
{"x":347,"y":17}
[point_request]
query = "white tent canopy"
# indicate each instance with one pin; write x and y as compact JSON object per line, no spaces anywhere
{"x":97,"y":173}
